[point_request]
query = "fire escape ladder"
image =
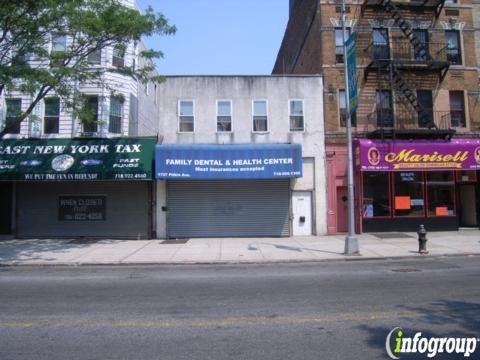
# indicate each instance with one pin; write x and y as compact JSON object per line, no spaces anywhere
{"x":402,"y":86}
{"x":418,"y":47}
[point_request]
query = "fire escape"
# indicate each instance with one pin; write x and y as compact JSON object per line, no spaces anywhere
{"x":395,"y":62}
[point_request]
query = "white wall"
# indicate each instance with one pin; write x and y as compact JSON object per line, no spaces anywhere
{"x":277,"y":90}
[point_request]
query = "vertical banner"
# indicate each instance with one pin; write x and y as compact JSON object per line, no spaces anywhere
{"x":352,"y":72}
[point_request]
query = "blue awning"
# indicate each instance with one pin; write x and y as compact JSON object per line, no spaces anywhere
{"x":270,"y":161}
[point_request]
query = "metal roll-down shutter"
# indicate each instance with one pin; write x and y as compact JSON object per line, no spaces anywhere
{"x":228,"y":208}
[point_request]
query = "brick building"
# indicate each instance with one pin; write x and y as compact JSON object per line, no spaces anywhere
{"x":417,"y":86}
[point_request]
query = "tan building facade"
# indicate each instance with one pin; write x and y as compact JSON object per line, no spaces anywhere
{"x":417,"y":76}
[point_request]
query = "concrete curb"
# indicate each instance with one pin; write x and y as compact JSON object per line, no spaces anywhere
{"x":354,"y":258}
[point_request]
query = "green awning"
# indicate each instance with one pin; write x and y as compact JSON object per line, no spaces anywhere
{"x":77,"y":159}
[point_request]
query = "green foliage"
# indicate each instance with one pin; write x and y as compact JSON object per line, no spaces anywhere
{"x":27,"y":64}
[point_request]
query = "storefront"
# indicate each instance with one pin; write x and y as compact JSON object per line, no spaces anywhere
{"x":73,"y":188}
{"x":402,"y":184}
{"x":227,"y":190}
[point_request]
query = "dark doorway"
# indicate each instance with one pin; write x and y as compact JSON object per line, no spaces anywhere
{"x":468,"y":205}
{"x":5,"y":208}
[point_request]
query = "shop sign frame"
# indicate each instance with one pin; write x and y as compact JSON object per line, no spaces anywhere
{"x":272,"y":161}
{"x":76,"y":159}
{"x":377,"y":155}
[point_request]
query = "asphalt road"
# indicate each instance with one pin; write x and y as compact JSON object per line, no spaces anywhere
{"x":330,"y":310}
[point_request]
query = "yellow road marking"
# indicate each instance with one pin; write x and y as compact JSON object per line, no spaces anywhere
{"x":209,"y":323}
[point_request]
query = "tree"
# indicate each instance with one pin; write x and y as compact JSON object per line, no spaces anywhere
{"x":30,"y":65}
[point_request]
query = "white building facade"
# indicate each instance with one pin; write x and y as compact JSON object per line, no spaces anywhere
{"x":240,"y":156}
{"x":62,"y":178}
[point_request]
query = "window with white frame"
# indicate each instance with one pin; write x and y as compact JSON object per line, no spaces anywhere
{"x":296,"y":115}
{"x":59,"y":43}
{"x":116,"y":111}
{"x":186,"y":115}
{"x":339,"y":43}
{"x":260,"y":115}
{"x":90,"y":111}
{"x":59,"y":47}
{"x":51,"y":118}
{"x":224,"y":115}
{"x":95,"y":57}
{"x":118,"y":59}
{"x":14,"y":111}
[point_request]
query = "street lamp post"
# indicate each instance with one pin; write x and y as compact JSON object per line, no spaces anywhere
{"x":351,"y":241}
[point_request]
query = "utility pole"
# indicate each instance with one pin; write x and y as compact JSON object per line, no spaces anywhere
{"x":351,"y":241}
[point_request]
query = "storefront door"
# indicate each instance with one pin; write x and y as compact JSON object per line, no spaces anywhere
{"x":302,"y":213}
{"x":5,"y":208}
{"x":342,"y":198}
{"x":468,"y":205}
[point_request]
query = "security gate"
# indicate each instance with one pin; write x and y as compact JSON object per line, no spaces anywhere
{"x":228,"y":208}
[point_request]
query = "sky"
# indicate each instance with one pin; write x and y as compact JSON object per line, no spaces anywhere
{"x":220,"y":37}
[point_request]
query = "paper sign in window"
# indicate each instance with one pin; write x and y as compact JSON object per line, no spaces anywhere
{"x":441,"y":211}
{"x":402,"y":203}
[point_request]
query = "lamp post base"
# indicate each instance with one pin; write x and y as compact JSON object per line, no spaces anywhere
{"x":351,"y":245}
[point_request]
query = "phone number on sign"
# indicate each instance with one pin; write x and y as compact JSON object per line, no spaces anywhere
{"x":131,"y":176}
{"x":287,"y":173}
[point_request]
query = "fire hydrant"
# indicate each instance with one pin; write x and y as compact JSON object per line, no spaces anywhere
{"x":422,"y":240}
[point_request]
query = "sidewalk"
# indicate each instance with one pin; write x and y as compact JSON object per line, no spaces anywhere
{"x":230,"y":250}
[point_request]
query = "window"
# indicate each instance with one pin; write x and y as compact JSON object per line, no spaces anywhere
{"x":384,"y":108}
{"x":59,"y":46}
{"x":457,"y":109}
{"x":155,"y":93}
{"x":51,"y":119}
{"x":440,"y":193}
{"x":381,"y":49}
{"x":376,"y":201}
{"x":260,"y":115}
{"x":95,"y":57}
{"x":339,"y":43}
{"x":186,"y":116}
{"x":118,"y":58}
{"x":296,"y":115}
{"x":408,"y":194}
{"x":224,"y":115}
{"x":425,"y":112}
{"x":90,"y":125}
{"x":116,"y":111}
{"x":454,"y":55}
{"x":14,"y":111}
{"x":59,"y":43}
{"x":421,"y":52}
{"x":343,"y":110}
